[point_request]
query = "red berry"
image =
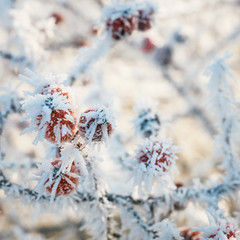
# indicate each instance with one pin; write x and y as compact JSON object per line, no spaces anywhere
{"x":57,"y":17}
{"x":68,"y":182}
{"x":121,"y":26}
{"x":188,"y":234}
{"x":95,"y":125}
{"x":158,"y":153}
{"x":148,"y":46}
{"x":145,"y":19}
{"x":60,"y":120}
{"x":179,"y":184}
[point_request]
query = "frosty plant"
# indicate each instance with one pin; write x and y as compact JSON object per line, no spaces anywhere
{"x":84,"y":142}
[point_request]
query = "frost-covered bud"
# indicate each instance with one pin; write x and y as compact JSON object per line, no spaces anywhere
{"x":189,"y":234}
{"x":222,"y":230}
{"x":145,"y":18}
{"x":62,"y":183}
{"x":156,"y":158}
{"x":96,"y":125}
{"x":52,"y":114}
{"x":158,"y":155}
{"x":147,"y":123}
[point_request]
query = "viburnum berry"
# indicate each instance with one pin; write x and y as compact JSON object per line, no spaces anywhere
{"x":223,"y":229}
{"x":189,"y":234}
{"x":63,"y":183}
{"x":145,"y":17}
{"x":52,"y":114}
{"x":96,"y":125}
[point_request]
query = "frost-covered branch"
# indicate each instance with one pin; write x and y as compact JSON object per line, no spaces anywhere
{"x":178,"y":197}
{"x":222,"y":99}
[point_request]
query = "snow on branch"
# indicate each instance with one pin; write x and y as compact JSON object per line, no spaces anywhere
{"x":221,"y":98}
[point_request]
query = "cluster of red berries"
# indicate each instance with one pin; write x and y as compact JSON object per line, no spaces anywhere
{"x":93,"y":126}
{"x":54,"y":116}
{"x":127,"y":21}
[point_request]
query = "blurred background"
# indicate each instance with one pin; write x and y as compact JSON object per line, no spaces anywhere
{"x":165,"y":64}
